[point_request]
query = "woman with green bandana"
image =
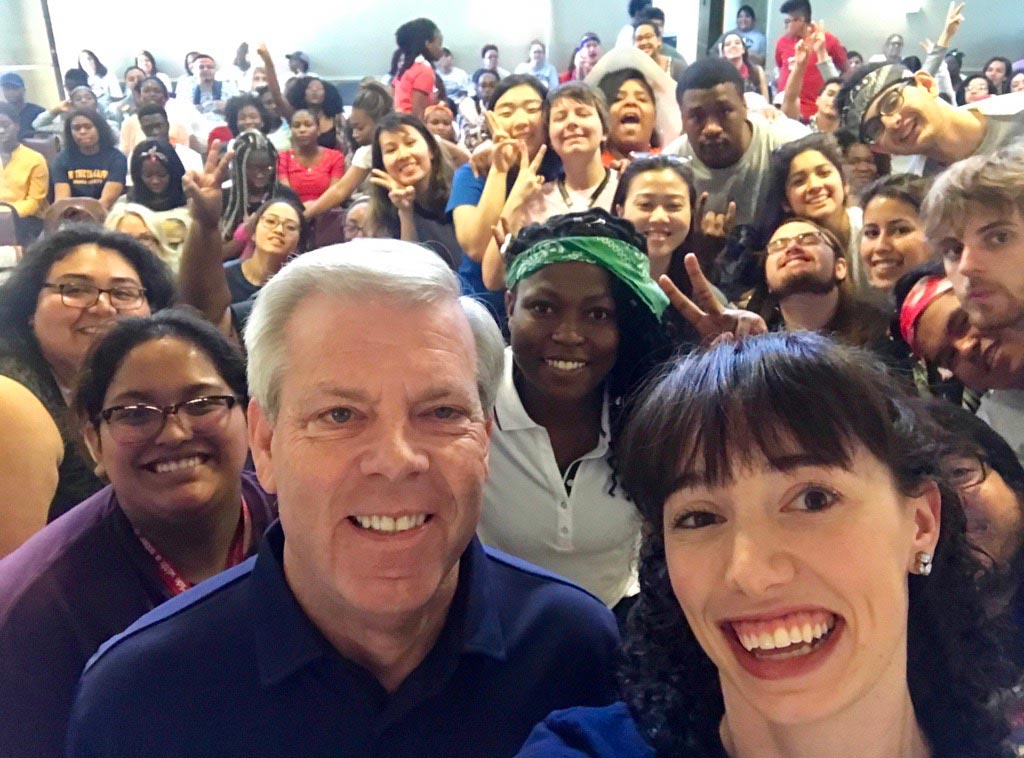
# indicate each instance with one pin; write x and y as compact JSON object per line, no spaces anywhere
{"x":586,"y":328}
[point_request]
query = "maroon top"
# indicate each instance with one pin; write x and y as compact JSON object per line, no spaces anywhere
{"x":82,"y":579}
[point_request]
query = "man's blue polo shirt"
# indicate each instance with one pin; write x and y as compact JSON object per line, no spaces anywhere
{"x":235,"y":667}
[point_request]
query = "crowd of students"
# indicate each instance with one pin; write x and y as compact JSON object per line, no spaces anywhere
{"x":748,"y":342}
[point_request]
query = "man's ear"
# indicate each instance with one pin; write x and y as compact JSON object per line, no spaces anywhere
{"x":842,"y":268}
{"x":510,"y":301}
{"x":261,"y":435}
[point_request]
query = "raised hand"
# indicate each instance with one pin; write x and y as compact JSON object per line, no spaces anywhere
{"x":529,"y":180}
{"x":818,"y":40}
{"x":505,"y":149}
{"x":715,"y":224}
{"x":704,"y":312}
{"x":263,"y":51}
{"x":954,"y":17}
{"x":203,"y":189}
{"x":400,"y":195}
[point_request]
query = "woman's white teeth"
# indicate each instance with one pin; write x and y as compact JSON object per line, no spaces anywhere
{"x":389,"y":524}
{"x":566,"y":365}
{"x":165,"y":467}
{"x":782,"y":637}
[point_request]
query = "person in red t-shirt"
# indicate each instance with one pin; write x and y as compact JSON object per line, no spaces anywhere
{"x":308,"y":168}
{"x":797,"y":19}
{"x":412,"y":75}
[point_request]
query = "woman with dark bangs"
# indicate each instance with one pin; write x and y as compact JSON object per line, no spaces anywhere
{"x":806,"y":583}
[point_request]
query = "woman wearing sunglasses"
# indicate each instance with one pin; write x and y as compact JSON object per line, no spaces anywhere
{"x":161,"y":403}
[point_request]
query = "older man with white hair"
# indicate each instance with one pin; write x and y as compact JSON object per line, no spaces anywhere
{"x":372,"y":622}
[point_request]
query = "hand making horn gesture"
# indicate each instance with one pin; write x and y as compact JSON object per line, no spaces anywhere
{"x":715,"y":224}
{"x":400,"y":195}
{"x":203,"y":189}
{"x":712,"y":320}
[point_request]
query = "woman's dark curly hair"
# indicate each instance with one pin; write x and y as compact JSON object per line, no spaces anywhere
{"x":161,"y":153}
{"x":20,"y":293}
{"x":183,"y":323}
{"x":296,"y":95}
{"x":234,"y":106}
{"x":643,"y":340}
{"x":710,"y":414}
{"x":778,"y":175}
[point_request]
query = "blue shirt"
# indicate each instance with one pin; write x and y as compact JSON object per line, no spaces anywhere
{"x":608,"y":732}
{"x":235,"y":667}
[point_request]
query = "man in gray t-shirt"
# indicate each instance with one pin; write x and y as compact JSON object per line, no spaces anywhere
{"x":728,"y":151}
{"x":901,"y":113}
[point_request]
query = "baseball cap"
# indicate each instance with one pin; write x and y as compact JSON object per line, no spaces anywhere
{"x":864,"y":92}
{"x":300,"y":56}
{"x":11,"y":79}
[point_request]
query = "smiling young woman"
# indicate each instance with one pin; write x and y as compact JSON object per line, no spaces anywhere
{"x":585,"y":325}
{"x":752,"y":635}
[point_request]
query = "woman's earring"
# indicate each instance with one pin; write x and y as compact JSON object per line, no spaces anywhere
{"x":923,"y":563}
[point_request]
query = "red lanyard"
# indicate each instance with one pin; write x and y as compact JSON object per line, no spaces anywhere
{"x":174,"y":581}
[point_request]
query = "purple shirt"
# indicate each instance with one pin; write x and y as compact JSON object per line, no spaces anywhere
{"x":82,"y":579}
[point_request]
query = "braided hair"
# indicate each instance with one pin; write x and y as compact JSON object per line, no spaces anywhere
{"x":412,"y":38}
{"x":644,"y":341}
{"x":247,"y":143}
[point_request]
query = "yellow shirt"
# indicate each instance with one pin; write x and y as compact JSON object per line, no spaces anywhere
{"x":24,"y":181}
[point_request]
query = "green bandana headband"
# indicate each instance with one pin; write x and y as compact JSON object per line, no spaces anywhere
{"x":624,"y":261}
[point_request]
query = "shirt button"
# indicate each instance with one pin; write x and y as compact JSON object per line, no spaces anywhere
{"x":563,"y":505}
{"x":564,"y":530}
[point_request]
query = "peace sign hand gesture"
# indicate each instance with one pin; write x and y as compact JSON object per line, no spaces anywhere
{"x":711,"y":319}
{"x":529,"y":180}
{"x":505,"y":151}
{"x":400,"y":195}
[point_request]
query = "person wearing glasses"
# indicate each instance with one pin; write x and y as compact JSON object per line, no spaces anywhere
{"x":65,"y":293}
{"x":279,"y":229}
{"x":901,"y":113}
{"x":161,"y":404}
{"x":807,"y":287}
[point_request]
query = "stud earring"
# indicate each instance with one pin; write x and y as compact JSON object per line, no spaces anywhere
{"x":923,"y":563}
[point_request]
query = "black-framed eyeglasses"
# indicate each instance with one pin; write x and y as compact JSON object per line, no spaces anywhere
{"x":783,"y":243}
{"x":964,"y":471}
{"x":889,"y":101}
{"x":80,"y":295}
{"x":132,"y":424}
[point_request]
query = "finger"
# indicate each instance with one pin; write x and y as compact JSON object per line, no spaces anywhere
{"x":703,"y":292}
{"x":383,"y":183}
{"x":702,"y":201}
{"x":223,"y":167}
{"x":730,"y":215}
{"x":537,"y":159}
{"x":684,"y":306}
{"x":710,"y":225}
{"x":212,"y":157}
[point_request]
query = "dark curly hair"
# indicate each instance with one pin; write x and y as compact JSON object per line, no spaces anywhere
{"x":234,"y":106}
{"x":296,"y":95}
{"x":644,"y":341}
{"x":20,"y":293}
{"x":714,"y":412}
{"x":183,"y":323}
{"x":162,"y":154}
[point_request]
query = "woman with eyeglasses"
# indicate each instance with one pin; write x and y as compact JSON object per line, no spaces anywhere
{"x":161,"y":404}
{"x":67,"y":291}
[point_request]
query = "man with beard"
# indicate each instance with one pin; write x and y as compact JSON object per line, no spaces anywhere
{"x":728,"y":151}
{"x":974,"y":214}
{"x":805,"y":272}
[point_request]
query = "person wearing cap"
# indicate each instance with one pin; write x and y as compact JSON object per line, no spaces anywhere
{"x":372,"y":621}
{"x":298,"y":63}
{"x":796,"y":16}
{"x":24,"y":179}
{"x":728,"y":151}
{"x":901,"y":113}
{"x":584,"y":58}
{"x":13,"y":88}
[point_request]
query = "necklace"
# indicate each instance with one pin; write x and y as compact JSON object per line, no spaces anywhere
{"x":593,"y":197}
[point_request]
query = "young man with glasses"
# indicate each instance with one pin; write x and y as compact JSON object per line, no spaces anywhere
{"x":901,"y":113}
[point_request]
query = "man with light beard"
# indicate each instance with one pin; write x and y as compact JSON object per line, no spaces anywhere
{"x":805,"y":271}
{"x":974,"y":215}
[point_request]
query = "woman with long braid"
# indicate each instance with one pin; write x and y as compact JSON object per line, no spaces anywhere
{"x":413,"y":78}
{"x":254,"y":181}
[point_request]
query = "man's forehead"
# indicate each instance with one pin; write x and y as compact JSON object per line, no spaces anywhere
{"x":724,"y":92}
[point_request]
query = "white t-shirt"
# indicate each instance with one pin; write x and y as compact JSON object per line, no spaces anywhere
{"x":584,"y":534}
{"x":550,"y":202}
{"x":746,"y":181}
